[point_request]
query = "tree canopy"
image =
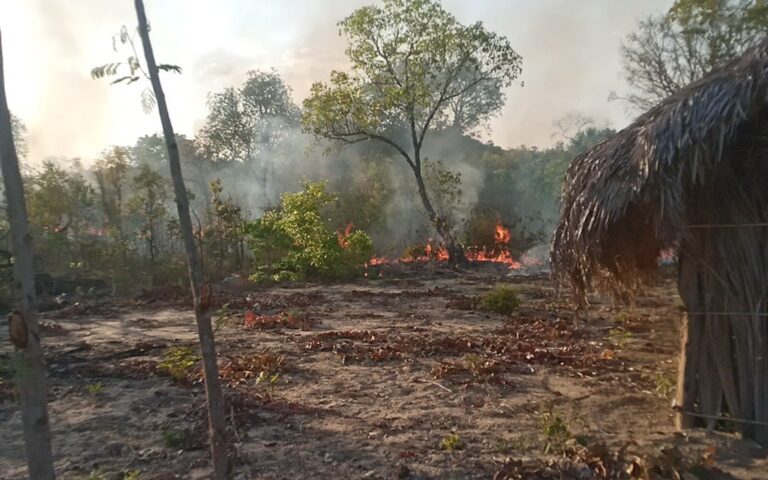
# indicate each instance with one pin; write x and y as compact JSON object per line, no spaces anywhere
{"x":412,"y":61}
{"x":243,"y":121}
{"x":414,"y":67}
{"x":670,"y":51}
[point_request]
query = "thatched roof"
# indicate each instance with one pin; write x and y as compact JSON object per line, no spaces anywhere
{"x":625,"y":200}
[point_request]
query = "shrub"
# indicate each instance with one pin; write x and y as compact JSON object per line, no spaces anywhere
{"x":554,"y":428}
{"x":179,"y":362}
{"x":174,"y":439}
{"x":94,"y":389}
{"x":294,"y":242}
{"x":451,"y":442}
{"x":501,"y":299}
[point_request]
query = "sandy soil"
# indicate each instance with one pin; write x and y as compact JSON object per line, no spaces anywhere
{"x":400,"y":377}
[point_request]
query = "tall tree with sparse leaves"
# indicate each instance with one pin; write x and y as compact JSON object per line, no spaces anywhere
{"x":24,"y":329}
{"x":201,"y":292}
{"x":669,"y":51}
{"x":414,"y":66}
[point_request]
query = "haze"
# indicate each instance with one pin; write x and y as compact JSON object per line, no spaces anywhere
{"x":570,"y":52}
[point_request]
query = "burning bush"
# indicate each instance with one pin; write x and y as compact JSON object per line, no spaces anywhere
{"x":293,"y":242}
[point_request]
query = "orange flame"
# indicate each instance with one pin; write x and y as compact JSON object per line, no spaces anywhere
{"x":344,"y":236}
{"x":498,"y":254}
{"x":501,"y":235}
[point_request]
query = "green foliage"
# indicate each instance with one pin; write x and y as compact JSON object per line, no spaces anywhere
{"x":151,"y":193}
{"x":94,"y":389}
{"x":664,"y":385}
{"x":132,"y":475}
{"x":60,"y":205}
{"x":501,"y":299}
{"x":522,"y":186}
{"x":95,"y":475}
{"x":554,"y":428}
{"x":179,"y":362}
{"x":131,"y":68}
{"x":225,"y":234}
{"x":294,"y":241}
{"x":619,"y":337}
{"x":174,"y":439}
{"x":415,"y":68}
{"x":415,"y":58}
{"x":269,"y":381}
{"x":451,"y":442}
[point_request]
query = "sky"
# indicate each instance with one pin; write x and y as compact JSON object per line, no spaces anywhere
{"x":570,"y":53}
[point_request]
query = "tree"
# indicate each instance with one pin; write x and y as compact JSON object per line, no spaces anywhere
{"x":150,"y":150}
{"x":413,"y":65}
{"x":571,"y":125}
{"x":243,"y":122}
{"x":60,"y":206}
{"x":670,"y":51}
{"x":25,"y":332}
{"x":19,"y":131}
{"x":200,"y":291}
{"x":148,"y":203}
{"x":111,"y":171}
{"x":226,"y":229}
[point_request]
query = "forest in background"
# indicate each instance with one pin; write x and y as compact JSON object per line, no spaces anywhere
{"x":109,"y":222}
{"x":277,"y":193}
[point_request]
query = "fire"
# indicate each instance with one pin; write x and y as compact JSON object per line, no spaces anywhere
{"x":499,"y":253}
{"x":501,"y":235}
{"x":439,"y":253}
{"x":343,"y":236}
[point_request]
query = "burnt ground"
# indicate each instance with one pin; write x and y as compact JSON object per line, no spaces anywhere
{"x":397,"y":377}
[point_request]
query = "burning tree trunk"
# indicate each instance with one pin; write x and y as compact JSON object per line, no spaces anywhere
{"x":25,"y":333}
{"x":456,"y":254}
{"x":200,"y":292}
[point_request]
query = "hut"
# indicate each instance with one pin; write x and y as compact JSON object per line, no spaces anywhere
{"x":691,"y":175}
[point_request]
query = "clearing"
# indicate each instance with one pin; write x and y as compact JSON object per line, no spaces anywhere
{"x":397,"y":377}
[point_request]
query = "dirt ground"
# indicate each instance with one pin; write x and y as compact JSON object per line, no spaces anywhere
{"x":393,"y":377}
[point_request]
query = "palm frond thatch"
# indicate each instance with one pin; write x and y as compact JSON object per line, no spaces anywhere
{"x":690,"y":174}
{"x":626,"y":199}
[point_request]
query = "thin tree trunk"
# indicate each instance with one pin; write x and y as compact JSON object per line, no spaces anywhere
{"x":455,"y":252}
{"x":200,"y":292}
{"x":30,"y":376}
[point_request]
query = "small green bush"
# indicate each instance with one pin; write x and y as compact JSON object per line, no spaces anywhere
{"x":174,"y":439}
{"x":94,"y":389}
{"x":501,"y":299}
{"x":294,"y":242}
{"x":179,"y":362}
{"x":451,"y":442}
{"x":132,"y":475}
{"x":554,"y":428}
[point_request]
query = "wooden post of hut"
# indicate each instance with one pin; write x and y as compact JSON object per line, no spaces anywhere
{"x":690,"y":174}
